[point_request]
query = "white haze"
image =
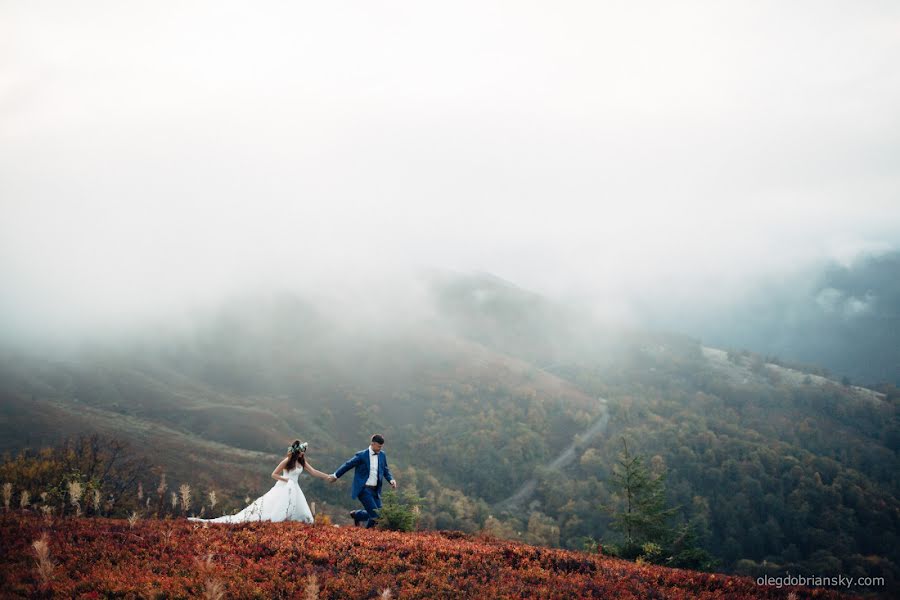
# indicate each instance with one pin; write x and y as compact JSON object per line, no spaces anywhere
{"x":162,"y":155}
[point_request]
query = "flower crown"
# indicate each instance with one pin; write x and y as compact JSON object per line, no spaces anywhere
{"x":298,"y":447}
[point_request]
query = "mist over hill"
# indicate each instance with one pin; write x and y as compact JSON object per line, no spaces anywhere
{"x":841,"y":317}
{"x":479,"y":385}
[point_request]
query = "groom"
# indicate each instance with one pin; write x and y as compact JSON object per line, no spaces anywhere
{"x":371,"y":468}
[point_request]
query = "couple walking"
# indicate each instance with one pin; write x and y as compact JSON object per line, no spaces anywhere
{"x":286,"y":502}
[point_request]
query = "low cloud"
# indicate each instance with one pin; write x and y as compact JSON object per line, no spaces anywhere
{"x":153,"y":161}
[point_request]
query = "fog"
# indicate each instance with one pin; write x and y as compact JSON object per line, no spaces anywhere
{"x":157,"y":158}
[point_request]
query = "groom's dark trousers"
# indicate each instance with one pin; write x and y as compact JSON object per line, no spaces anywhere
{"x":367,"y":497}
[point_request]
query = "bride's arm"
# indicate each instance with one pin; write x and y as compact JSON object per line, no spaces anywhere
{"x":314,"y":471}
{"x":276,"y":474}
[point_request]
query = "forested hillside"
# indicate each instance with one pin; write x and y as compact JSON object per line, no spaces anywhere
{"x":775,"y":470}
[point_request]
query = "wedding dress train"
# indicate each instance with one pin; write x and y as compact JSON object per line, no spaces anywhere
{"x":284,"y":502}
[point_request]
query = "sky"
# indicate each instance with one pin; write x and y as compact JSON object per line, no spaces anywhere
{"x":166,"y":154}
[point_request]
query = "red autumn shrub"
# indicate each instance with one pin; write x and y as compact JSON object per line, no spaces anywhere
{"x":101,"y":558}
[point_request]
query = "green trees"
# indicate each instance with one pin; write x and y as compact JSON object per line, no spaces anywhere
{"x":642,"y":517}
{"x":400,"y":512}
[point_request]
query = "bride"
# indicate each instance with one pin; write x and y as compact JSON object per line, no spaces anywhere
{"x":285,"y":501}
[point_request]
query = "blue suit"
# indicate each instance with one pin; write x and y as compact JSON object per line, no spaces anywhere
{"x":370,"y":498}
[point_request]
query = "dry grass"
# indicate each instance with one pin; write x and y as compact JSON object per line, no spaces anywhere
{"x":47,"y":512}
{"x":185,"y":492}
{"x":45,"y":564}
{"x":166,"y":537}
{"x":311,"y":592}
{"x":214,"y":589}
{"x":76,"y":490}
{"x":205,"y":564}
{"x":133,"y":519}
{"x":7,"y":495}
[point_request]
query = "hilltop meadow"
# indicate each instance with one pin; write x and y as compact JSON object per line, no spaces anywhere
{"x":170,"y":559}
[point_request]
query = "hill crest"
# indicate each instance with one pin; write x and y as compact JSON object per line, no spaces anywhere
{"x":108,"y":557}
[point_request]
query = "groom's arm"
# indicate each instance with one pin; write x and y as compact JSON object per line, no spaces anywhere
{"x":347,"y":466}
{"x":387,"y":473}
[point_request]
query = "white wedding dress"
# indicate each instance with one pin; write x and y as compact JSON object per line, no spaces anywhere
{"x":284,"y":502}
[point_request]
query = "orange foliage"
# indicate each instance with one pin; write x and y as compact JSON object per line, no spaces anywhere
{"x":98,"y":558}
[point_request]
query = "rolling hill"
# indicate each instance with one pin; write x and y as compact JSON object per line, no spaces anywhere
{"x":109,"y":558}
{"x":478,"y":389}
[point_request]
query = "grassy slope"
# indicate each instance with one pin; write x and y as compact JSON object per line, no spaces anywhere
{"x":177,"y":559}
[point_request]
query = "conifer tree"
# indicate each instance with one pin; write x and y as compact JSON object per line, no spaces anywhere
{"x":643,"y":517}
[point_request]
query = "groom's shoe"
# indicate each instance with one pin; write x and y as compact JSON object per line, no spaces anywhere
{"x":356,"y":519}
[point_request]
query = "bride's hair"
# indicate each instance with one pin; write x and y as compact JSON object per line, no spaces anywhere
{"x":296,"y":457}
